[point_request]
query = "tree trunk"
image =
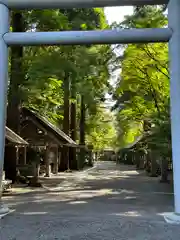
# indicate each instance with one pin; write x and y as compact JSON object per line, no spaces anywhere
{"x":82,"y":133}
{"x":10,"y":163}
{"x":141,"y":166}
{"x":72,"y":153}
{"x":16,"y":79}
{"x":96,"y":156}
{"x":34,"y":182}
{"x":164,"y":169}
{"x":90,"y":160}
{"x":154,"y":165}
{"x":137,"y":160}
{"x":64,"y":164}
{"x":17,"y":76}
{"x":147,"y":163}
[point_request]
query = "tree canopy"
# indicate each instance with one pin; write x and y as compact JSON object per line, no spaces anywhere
{"x":54,"y":76}
{"x":142,"y":92}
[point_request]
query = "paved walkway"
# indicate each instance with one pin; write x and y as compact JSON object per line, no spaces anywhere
{"x":106,"y":203}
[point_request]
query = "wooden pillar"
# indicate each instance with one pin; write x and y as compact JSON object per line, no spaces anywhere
{"x":59,"y":157}
{"x":56,"y":161}
{"x":47,"y":162}
{"x":25,"y":154}
{"x":17,"y":155}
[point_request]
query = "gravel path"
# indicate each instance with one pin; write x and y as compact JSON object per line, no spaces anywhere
{"x":109,"y":203}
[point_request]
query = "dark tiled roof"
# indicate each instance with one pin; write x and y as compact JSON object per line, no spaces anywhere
{"x":14,"y":138}
{"x":53,"y":128}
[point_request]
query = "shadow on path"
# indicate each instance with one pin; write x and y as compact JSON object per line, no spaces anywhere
{"x":103,"y":198}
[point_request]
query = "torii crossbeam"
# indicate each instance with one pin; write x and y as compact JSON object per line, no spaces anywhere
{"x":24,"y":4}
{"x":171,"y":34}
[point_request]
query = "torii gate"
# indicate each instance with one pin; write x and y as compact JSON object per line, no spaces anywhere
{"x":171,"y":34}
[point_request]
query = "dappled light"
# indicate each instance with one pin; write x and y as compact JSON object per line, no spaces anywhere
{"x":128,"y":214}
{"x":92,"y":201}
{"x":77,"y":202}
{"x":34,"y":213}
{"x":92,"y":187}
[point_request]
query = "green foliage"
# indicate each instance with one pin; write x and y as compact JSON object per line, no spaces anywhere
{"x":46,"y":68}
{"x":100,"y":129}
{"x":142,"y":92}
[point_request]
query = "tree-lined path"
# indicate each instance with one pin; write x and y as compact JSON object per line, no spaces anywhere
{"x":107,"y":202}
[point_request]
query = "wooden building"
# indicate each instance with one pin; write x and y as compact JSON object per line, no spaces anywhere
{"x":40,"y":133}
{"x":13,"y":141}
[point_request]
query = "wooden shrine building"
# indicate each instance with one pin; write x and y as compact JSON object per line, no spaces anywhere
{"x":13,"y":141}
{"x":40,"y":133}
